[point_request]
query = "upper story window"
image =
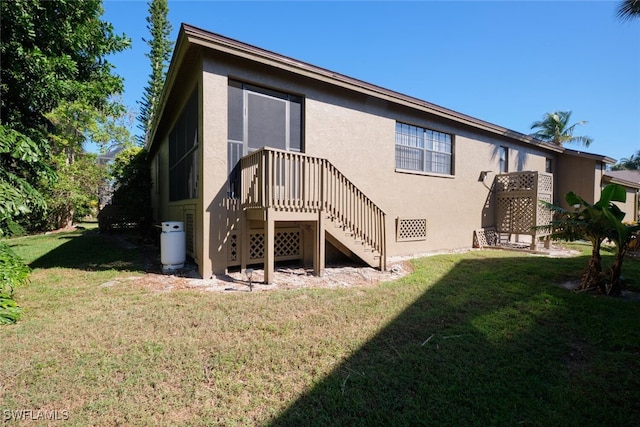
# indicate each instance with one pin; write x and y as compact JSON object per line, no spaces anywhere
{"x":183,"y":153}
{"x":260,"y":117}
{"x":504,"y":159}
{"x":423,"y":150}
{"x":548,"y":166}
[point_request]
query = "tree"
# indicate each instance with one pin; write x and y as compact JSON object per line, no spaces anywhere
{"x":75,"y":123}
{"x":56,"y":85}
{"x":75,"y":193}
{"x":630,"y":163}
{"x":555,"y":128}
{"x":22,"y":166}
{"x":597,"y":223}
{"x":131,"y":200}
{"x":54,"y":51}
{"x":132,"y":176}
{"x":629,"y":9}
{"x":159,"y":55}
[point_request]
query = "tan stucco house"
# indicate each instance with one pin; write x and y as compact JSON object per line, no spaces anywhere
{"x":266,"y":158}
{"x":581,"y":173}
{"x":630,"y":180}
{"x":586,"y":174}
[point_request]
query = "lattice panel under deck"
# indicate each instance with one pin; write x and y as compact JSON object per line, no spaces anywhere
{"x":233,"y":249}
{"x":286,"y":245}
{"x":256,"y":245}
{"x":411,"y":229}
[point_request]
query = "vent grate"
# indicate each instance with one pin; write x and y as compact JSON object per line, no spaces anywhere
{"x":189,"y":234}
{"x":411,"y":229}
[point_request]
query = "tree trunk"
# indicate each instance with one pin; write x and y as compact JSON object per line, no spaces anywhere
{"x":64,"y":217}
{"x":615,"y":286}
{"x":66,"y":221}
{"x":592,"y":278}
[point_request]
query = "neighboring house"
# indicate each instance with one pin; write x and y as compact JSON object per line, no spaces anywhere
{"x":581,"y":173}
{"x":350,"y":167}
{"x":105,"y":192}
{"x":586,"y":174}
{"x":630,"y":180}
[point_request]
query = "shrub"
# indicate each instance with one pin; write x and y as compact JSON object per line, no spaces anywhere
{"x":13,"y":273}
{"x":14,"y":229}
{"x":131,"y":203}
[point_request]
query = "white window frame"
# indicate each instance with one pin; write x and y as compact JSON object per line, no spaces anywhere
{"x":503,"y":159}
{"x":430,"y":144}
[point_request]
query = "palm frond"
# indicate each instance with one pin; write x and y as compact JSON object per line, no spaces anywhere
{"x":629,"y":9}
{"x":555,"y":128}
{"x":553,"y":208}
{"x":584,"y":140}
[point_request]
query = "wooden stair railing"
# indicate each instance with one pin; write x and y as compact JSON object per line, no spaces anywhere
{"x":295,"y":182}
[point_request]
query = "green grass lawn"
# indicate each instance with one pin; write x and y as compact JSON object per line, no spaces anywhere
{"x":480,"y":338}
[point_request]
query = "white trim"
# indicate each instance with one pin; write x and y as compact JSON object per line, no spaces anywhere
{"x":433,"y":174}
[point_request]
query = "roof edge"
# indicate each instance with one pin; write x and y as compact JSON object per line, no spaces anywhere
{"x":602,"y":158}
{"x":612,"y":177}
{"x":221,"y":43}
{"x":179,"y":50}
{"x":623,"y":182}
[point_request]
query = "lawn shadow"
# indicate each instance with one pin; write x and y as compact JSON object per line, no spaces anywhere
{"x":501,"y":350}
{"x":91,"y":250}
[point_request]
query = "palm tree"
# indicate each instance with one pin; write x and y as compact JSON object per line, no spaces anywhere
{"x":631,"y":163}
{"x":629,"y":9}
{"x":555,"y":128}
{"x":596,"y":223}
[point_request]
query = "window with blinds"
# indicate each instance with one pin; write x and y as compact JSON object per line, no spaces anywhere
{"x":423,"y":150}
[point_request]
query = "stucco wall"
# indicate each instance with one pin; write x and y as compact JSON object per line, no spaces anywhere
{"x":361,"y":144}
{"x":357,"y":134}
{"x":163,"y":208}
{"x":581,"y":175}
{"x":630,"y":207}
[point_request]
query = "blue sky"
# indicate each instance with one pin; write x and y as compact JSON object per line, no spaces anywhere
{"x":505,"y":62}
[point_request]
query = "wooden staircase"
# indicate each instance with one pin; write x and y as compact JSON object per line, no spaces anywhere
{"x":342,"y":238}
{"x":294,"y":185}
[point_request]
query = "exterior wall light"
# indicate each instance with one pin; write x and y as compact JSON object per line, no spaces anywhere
{"x":483,"y":176}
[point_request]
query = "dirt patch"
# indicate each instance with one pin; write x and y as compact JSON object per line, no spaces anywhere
{"x":554,"y":251}
{"x":573,"y":286}
{"x":286,"y":277}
